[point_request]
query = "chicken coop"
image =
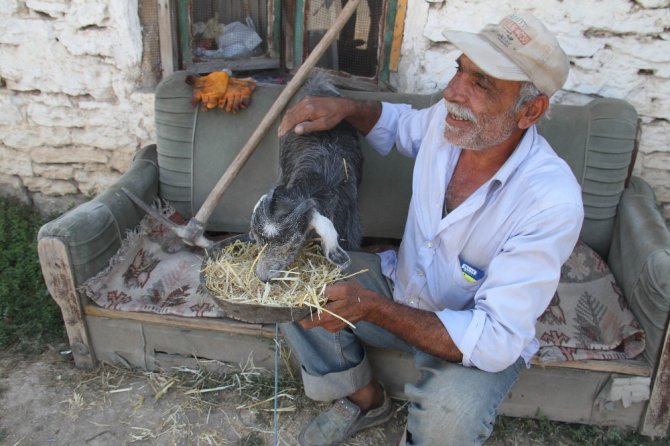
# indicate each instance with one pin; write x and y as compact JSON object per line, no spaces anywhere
{"x":255,"y":35}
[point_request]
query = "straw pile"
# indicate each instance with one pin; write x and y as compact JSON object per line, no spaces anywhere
{"x":229,"y":275}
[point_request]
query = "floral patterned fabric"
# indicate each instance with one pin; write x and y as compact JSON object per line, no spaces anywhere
{"x":155,"y":272}
{"x":588,"y":317}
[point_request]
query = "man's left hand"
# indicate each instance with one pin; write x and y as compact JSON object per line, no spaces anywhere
{"x":349,"y":300}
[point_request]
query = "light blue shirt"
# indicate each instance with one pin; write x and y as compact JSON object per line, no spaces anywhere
{"x":514,"y":233}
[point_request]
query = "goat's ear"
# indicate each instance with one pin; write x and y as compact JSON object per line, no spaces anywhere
{"x":282,"y":202}
{"x":261,"y":202}
{"x":329,"y":244}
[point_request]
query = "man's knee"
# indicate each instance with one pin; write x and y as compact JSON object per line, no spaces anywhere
{"x":437,"y":416}
{"x":453,"y":404}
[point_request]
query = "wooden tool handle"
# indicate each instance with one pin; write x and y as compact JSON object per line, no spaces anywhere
{"x":243,"y":156}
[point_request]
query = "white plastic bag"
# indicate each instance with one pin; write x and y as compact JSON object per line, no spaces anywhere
{"x":238,"y":40}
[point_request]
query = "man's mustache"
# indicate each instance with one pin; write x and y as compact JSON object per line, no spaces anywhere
{"x":461,"y":112}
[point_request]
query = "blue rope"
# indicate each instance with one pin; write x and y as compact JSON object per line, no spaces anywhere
{"x":276,"y":380}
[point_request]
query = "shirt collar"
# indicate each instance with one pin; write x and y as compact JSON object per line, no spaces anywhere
{"x":516,"y":158}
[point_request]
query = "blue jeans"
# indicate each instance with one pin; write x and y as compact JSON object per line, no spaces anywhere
{"x":449,"y":404}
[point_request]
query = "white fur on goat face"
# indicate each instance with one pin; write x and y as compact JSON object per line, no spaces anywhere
{"x":280,"y":231}
{"x":281,"y":228}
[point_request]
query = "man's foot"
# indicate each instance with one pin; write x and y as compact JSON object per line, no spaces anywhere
{"x":341,"y":421}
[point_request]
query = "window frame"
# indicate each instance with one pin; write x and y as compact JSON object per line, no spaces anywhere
{"x":175,"y":46}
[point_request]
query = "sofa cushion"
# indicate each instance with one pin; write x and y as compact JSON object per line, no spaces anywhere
{"x":597,"y":140}
{"x":588,"y":317}
{"x":154,"y":272}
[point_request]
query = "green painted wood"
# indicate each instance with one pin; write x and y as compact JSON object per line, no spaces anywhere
{"x":384,"y":72}
{"x":184,"y":21}
{"x":276,"y":28}
{"x":298,"y":33}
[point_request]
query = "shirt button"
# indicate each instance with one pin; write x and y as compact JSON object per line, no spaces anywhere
{"x":429,"y":244}
{"x":420,"y":273}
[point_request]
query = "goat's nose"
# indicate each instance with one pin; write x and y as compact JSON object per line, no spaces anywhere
{"x":265,"y":275}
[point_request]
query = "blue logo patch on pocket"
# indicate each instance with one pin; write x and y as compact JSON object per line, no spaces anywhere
{"x":470,"y":273}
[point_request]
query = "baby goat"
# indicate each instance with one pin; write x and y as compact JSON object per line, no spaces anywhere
{"x":317,"y":191}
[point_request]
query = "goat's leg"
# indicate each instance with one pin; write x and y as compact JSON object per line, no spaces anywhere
{"x":331,"y":247}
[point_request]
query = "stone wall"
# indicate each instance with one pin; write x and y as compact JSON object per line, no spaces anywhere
{"x":76,"y":99}
{"x":74,"y":103}
{"x":617,"y":48}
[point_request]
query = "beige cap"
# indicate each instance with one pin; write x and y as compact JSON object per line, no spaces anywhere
{"x":519,"y":48}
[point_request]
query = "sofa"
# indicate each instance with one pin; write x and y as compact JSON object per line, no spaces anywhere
{"x":623,"y":228}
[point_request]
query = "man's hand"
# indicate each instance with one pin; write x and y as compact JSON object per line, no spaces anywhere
{"x":348,"y":300}
{"x":420,"y":328}
{"x":314,"y":113}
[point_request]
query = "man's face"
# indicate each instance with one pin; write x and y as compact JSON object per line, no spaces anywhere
{"x":480,"y":108}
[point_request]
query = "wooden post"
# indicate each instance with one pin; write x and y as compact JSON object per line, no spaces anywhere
{"x":398,"y":29}
{"x":656,"y":419}
{"x":57,"y":272}
{"x":184,"y":20}
{"x":166,"y":37}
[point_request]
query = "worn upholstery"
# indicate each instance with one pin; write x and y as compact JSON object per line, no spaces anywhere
{"x":93,"y":231}
{"x":640,"y":260}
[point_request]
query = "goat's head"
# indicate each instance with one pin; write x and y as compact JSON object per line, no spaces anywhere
{"x":280,"y":225}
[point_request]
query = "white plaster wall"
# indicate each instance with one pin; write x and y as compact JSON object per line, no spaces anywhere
{"x":618,"y":48}
{"x":72,"y":113}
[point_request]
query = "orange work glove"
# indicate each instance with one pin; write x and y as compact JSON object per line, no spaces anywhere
{"x":238,"y":94}
{"x":209,"y":89}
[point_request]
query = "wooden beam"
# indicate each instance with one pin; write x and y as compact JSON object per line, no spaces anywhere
{"x":625,"y":367}
{"x":219,"y":325}
{"x":253,"y":63}
{"x":398,"y":30}
{"x":656,"y":421}
{"x":274,"y":25}
{"x":166,"y":37}
{"x":59,"y":278}
{"x":629,"y":367}
{"x":299,"y":29}
{"x":184,"y":20}
{"x":389,"y":26}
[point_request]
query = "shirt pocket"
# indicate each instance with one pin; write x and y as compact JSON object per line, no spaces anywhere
{"x":460,"y":280}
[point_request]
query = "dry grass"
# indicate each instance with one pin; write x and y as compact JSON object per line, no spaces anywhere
{"x":189,"y":404}
{"x":229,"y":275}
{"x":204,"y":402}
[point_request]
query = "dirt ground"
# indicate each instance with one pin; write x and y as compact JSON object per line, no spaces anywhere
{"x":45,"y":400}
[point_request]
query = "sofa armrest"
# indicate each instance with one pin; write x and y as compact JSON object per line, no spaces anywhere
{"x":80,"y":243}
{"x":92,"y":232}
{"x":640,"y":261}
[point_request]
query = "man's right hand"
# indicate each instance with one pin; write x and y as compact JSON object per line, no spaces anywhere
{"x":314,"y":113}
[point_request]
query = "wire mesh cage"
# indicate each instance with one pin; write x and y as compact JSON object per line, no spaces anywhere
{"x":230,"y":29}
{"x":151,"y":56}
{"x":356,"y":51}
{"x":262,"y":34}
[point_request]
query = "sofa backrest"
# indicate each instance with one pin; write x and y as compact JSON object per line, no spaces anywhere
{"x":195,"y":147}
